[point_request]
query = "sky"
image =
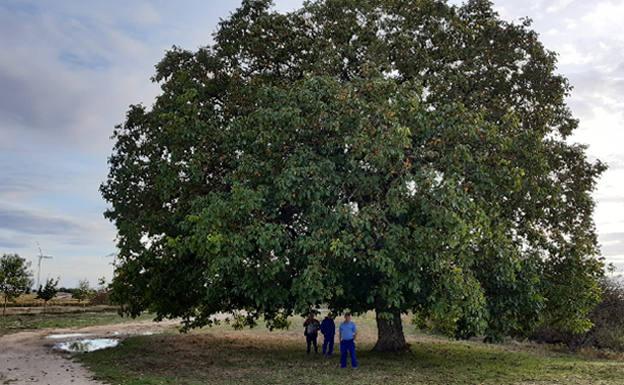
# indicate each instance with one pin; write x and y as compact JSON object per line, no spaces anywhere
{"x":69,"y":70}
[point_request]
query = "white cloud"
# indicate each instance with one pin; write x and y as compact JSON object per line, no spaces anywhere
{"x":605,"y":18}
{"x":558,"y":5}
{"x":570,"y":55}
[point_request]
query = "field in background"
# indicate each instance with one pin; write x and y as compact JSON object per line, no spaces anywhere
{"x":30,"y":300}
{"x":67,"y":319}
{"x":56,"y":309}
{"x":220,"y":356}
{"x":61,"y":303}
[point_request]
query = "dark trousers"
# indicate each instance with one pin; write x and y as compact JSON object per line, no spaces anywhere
{"x":311,"y":340}
{"x":347,"y":346}
{"x":328,"y":344}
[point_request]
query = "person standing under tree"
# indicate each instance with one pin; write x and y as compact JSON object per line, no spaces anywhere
{"x":328,"y":329}
{"x":347,"y":334}
{"x":311,"y":327}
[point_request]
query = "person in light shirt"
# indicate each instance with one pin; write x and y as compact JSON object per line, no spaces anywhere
{"x":347,"y":334}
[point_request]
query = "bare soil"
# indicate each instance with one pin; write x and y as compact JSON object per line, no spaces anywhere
{"x":28,"y":358}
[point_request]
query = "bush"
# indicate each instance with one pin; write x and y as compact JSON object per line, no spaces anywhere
{"x":100,"y":298}
{"x":608,"y":320}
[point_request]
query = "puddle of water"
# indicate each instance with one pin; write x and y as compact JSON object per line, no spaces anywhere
{"x":87,"y":345}
{"x":66,"y":336}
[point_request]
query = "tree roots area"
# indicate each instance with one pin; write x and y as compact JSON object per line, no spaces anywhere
{"x":221,"y":355}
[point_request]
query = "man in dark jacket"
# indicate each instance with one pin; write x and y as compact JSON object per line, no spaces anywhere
{"x":328,"y":328}
{"x":310,"y":331}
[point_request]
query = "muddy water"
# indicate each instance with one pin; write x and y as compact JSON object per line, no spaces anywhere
{"x":85,"y":345}
{"x":28,"y":357}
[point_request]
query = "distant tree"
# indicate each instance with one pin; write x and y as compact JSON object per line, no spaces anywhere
{"x":83,"y":292}
{"x":15,"y":278}
{"x":70,"y":290}
{"x":102,"y":285}
{"x":102,"y":296}
{"x":48,"y":291}
{"x":388,"y":155}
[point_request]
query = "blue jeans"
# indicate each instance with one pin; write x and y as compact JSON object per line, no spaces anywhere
{"x":328,"y":344}
{"x":347,"y":346}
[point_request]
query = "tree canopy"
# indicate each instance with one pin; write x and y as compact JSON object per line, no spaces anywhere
{"x":48,"y":290}
{"x":83,"y":291}
{"x":385,"y":155}
{"x":15,"y":277}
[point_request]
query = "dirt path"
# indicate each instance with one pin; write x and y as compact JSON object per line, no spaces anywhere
{"x":28,"y":357}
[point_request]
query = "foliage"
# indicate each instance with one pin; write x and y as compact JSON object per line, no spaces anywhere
{"x":102,"y":285}
{"x":48,"y":290}
{"x":387,"y":154}
{"x":15,"y":277}
{"x":102,"y":296}
{"x":607,"y":319}
{"x":83,"y":292}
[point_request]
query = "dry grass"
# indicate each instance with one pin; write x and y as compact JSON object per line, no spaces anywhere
{"x":31,"y":300}
{"x":29,"y":304}
{"x":222,"y":356}
{"x":19,"y":322}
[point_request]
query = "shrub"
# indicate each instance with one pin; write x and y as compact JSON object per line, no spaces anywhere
{"x":607,"y":318}
{"x":100,"y":298}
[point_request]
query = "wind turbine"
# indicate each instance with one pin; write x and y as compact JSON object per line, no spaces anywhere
{"x":113,"y":255}
{"x":41,"y":256}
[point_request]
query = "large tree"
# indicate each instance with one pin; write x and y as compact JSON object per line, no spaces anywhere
{"x":388,"y":155}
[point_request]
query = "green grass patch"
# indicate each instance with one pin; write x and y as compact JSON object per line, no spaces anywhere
{"x":222,"y":356}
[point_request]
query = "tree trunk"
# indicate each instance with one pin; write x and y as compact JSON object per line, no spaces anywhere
{"x":390,"y":337}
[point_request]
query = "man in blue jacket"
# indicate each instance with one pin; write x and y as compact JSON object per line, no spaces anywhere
{"x":348,"y":332}
{"x":328,"y":328}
